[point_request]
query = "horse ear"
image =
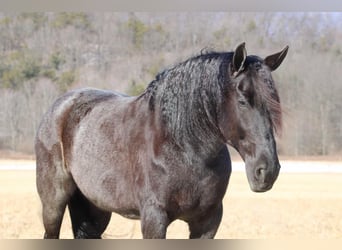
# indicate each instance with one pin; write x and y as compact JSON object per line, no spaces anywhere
{"x":239,"y":58}
{"x":273,"y":61}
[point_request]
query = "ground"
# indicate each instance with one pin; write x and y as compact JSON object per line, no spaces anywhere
{"x":300,"y":205}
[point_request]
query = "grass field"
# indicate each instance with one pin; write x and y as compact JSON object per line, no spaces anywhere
{"x":299,"y":206}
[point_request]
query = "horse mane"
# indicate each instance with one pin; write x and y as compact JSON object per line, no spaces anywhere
{"x":188,"y":96}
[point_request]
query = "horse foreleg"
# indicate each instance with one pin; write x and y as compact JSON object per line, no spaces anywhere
{"x":206,"y":226}
{"x":154,"y":222}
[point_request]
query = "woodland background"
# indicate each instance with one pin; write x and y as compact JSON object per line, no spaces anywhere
{"x":43,"y":55}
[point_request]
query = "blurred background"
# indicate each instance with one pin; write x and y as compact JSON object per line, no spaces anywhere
{"x":42,"y":55}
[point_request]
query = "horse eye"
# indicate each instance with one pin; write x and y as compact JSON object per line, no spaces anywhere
{"x":242,"y":102}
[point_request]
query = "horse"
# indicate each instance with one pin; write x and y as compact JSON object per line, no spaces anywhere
{"x":162,"y":155}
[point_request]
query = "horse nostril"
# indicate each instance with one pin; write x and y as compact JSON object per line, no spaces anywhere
{"x":260,"y":172}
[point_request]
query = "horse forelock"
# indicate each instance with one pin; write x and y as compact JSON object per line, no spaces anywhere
{"x":267,"y":93}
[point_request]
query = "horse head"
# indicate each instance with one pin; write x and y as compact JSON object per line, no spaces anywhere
{"x":252,"y":115}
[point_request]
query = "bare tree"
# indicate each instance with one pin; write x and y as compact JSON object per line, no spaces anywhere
{"x":44,"y":54}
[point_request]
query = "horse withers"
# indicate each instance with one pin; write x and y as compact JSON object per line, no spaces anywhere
{"x":160,"y":156}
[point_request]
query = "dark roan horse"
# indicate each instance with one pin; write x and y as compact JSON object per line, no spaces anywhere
{"x":160,"y":156}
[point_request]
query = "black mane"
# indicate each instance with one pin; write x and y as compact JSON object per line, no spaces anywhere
{"x":184,"y":67}
{"x":188,"y":96}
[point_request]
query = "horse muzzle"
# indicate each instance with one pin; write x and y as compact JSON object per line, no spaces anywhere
{"x":261,"y":177}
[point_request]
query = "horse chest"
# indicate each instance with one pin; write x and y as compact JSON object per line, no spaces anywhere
{"x":194,"y":195}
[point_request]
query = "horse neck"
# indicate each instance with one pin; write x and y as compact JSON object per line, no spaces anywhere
{"x":201,"y":150}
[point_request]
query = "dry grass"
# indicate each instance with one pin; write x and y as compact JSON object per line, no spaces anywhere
{"x":299,"y":206}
